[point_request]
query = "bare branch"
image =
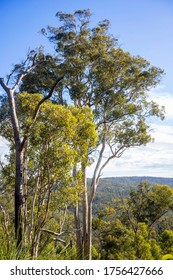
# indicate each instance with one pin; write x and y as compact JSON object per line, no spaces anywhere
{"x":51,"y":232}
{"x":4,"y":86}
{"x":115,"y":154}
{"x":94,"y":179}
{"x":21,"y":76}
{"x":10,"y":75}
{"x":102,"y":167}
{"x":59,"y":240}
{"x":23,"y":69}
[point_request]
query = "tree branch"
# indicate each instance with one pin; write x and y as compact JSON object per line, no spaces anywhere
{"x":3,"y":85}
{"x":51,"y":232}
{"x":46,"y":98}
{"x":94,"y":179}
{"x":20,"y":78}
{"x":59,"y":240}
{"x":116,"y":154}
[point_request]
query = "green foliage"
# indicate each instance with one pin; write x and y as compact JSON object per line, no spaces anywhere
{"x":101,"y":75}
{"x":86,"y":136}
{"x":59,"y":139}
{"x":128,"y":227}
{"x":167,"y":241}
{"x":97,"y":72}
{"x":108,"y":89}
{"x":149,"y":204}
{"x":167,"y":257}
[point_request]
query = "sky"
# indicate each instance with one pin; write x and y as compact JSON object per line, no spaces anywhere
{"x":142,"y":27}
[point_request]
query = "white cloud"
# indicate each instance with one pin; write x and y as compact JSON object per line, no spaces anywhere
{"x":162,"y":133}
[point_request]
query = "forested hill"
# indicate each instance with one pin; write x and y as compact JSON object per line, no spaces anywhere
{"x":113,"y":187}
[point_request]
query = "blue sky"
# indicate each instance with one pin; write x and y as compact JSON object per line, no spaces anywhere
{"x":142,"y":27}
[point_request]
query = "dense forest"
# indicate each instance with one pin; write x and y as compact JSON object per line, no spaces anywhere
{"x":85,"y":103}
{"x":120,"y":186}
{"x":137,"y":225}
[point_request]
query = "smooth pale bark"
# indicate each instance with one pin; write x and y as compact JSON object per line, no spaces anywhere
{"x":85,"y":216}
{"x":87,"y":202}
{"x":77,"y":222}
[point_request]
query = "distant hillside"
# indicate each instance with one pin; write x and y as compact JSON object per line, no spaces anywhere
{"x":113,"y":187}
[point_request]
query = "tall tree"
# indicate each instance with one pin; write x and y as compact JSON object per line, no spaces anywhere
{"x":57,"y":141}
{"x":115,"y":84}
{"x":10,"y":87}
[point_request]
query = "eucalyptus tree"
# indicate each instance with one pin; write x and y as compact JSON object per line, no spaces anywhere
{"x":57,"y":141}
{"x":10,"y":86}
{"x":98,"y":73}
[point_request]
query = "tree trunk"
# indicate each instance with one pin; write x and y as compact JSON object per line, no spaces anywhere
{"x":85,"y":216}
{"x":79,"y":249}
{"x":35,"y":193}
{"x":25,"y":195}
{"x":77,"y":224}
{"x":19,"y":169}
{"x":90,"y":230}
{"x":19,"y":197}
{"x":35,"y":245}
